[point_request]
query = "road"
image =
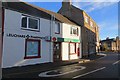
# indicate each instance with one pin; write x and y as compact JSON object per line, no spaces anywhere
{"x":105,"y":67}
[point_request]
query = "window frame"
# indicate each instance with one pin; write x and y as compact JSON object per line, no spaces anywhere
{"x":75,"y":50}
{"x":27,"y":27}
{"x":77,"y":30}
{"x":91,"y":24}
{"x":57,"y":27}
{"x":39,"y":47}
{"x":87,"y":19}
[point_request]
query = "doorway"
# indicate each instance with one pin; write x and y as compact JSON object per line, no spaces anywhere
{"x":57,"y":52}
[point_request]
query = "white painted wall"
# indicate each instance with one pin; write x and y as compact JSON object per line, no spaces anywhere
{"x":65,"y":46}
{"x":66,"y":31}
{"x":14,"y":48}
{"x":65,"y":51}
{"x":57,"y":35}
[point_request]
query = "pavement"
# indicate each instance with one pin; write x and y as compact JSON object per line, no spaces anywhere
{"x":12,"y":72}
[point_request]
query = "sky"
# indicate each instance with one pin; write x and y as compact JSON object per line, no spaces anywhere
{"x":105,"y":14}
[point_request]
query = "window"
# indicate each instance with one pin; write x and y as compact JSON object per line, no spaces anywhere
{"x":57,"y":28}
{"x":72,"y":47}
{"x":74,"y":31}
{"x":86,"y":19}
{"x":32,"y":49}
{"x":30,"y":23}
{"x":91,"y":23}
{"x":24,"y":22}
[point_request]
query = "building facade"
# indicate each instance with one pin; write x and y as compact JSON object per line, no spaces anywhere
{"x":89,"y":29}
{"x":33,"y":35}
{"x":110,"y":44}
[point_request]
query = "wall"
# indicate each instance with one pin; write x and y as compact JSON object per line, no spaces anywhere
{"x":77,"y":16}
{"x":53,"y":30}
{"x":65,"y":45}
{"x":65,"y":51}
{"x":14,"y":48}
{"x":66,"y":31}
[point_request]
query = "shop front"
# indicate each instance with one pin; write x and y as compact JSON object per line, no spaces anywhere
{"x":65,"y":49}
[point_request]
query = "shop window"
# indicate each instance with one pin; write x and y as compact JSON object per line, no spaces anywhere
{"x":32,"y":49}
{"x":72,"y":48}
{"x":57,"y":28}
{"x":30,"y":23}
{"x":74,"y":31}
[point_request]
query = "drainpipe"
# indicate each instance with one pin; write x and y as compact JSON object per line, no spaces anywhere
{"x":81,"y":48}
{"x":51,"y":34}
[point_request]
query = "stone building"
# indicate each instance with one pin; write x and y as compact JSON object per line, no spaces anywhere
{"x":110,"y":44}
{"x":89,"y":29}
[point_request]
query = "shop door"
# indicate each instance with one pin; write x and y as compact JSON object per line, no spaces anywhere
{"x":57,"y":52}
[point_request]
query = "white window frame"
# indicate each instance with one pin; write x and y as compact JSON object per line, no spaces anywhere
{"x":56,"y":27}
{"x":86,"y":19}
{"x":91,"y":24}
{"x":71,"y":28}
{"x":28,"y":28}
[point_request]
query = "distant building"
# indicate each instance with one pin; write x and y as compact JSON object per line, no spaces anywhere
{"x":110,"y":44}
{"x":89,"y":29}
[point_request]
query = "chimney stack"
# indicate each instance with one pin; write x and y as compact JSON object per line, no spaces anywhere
{"x":66,"y":3}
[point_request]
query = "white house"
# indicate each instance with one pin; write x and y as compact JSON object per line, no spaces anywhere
{"x":66,"y":37}
{"x":32,"y":35}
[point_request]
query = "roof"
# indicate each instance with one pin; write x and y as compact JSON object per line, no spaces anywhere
{"x":85,"y":13}
{"x":24,"y":8}
{"x":108,"y":40}
{"x":27,"y":8}
{"x":58,"y":16}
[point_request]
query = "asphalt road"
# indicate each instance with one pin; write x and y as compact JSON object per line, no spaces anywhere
{"x":105,"y":67}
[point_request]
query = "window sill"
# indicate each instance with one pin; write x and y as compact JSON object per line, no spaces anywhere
{"x":74,"y":35}
{"x":32,"y":57}
{"x":57,"y":33}
{"x":36,"y":30}
{"x":73,"y":53}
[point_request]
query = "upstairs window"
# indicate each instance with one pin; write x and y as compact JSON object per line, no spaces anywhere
{"x":24,"y":22}
{"x":74,"y":31}
{"x":57,"y":28}
{"x":86,"y":19}
{"x":91,"y":23}
{"x":30,"y":23}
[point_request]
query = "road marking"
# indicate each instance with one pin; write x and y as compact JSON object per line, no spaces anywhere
{"x":116,"y":62}
{"x":44,"y":74}
{"x":89,"y":72}
{"x":101,"y":58}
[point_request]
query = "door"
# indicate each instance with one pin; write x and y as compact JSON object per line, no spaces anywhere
{"x":56,"y":52}
{"x":78,"y":50}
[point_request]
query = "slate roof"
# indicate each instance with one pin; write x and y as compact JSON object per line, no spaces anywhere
{"x":58,"y":16}
{"x":36,"y":11}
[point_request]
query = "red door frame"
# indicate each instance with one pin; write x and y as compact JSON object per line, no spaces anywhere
{"x":78,"y":50}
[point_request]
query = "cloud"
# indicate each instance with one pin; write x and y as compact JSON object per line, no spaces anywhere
{"x":106,"y":30}
{"x":95,"y":0}
{"x":104,"y":26}
{"x":91,"y":6}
